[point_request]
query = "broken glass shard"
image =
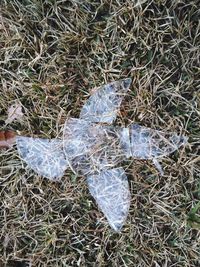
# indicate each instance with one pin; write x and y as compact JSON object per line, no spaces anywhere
{"x":44,"y":156}
{"x":110,"y":189}
{"x":104,"y":104}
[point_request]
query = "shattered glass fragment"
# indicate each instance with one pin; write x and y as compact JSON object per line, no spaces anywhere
{"x":110,"y":189}
{"x":146,"y":143}
{"x":103,"y":105}
{"x":44,"y":156}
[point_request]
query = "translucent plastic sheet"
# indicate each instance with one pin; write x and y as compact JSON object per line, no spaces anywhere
{"x":103,"y":105}
{"x":110,"y":189}
{"x":44,"y":156}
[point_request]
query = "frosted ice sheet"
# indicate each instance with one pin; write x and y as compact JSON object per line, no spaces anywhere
{"x":44,"y":156}
{"x":94,"y":149}
{"x":91,"y":147}
{"x":103,"y":105}
{"x":147,"y":143}
{"x":110,"y":189}
{"x":81,"y":136}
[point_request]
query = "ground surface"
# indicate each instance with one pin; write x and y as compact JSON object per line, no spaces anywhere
{"x":51,"y":56}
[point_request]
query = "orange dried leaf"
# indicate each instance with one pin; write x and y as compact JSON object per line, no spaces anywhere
{"x":7,"y":139}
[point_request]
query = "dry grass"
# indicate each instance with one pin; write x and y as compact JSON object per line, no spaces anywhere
{"x":52,"y":53}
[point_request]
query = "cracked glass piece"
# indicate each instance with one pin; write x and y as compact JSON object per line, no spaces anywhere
{"x":44,"y":156}
{"x":110,"y":189}
{"x":103,"y":105}
{"x":91,"y":147}
{"x":147,"y":143}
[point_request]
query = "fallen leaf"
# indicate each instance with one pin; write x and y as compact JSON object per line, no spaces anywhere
{"x":7,"y":139}
{"x":14,"y":113}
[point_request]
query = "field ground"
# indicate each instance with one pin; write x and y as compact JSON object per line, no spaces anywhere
{"x":52,"y":53}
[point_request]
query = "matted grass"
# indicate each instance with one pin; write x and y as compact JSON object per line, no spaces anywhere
{"x":52,"y":53}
